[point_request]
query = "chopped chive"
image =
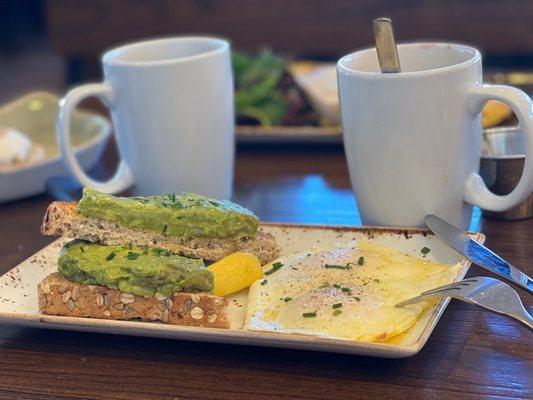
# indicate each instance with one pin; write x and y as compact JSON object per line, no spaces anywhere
{"x":425,"y":250}
{"x":131,"y":255}
{"x":165,"y":229}
{"x":309,"y":314}
{"x":336,"y":286}
{"x":357,"y":298}
{"x":308,"y":254}
{"x":376,"y":280}
{"x":333,"y":266}
{"x":82,"y":249}
{"x":161,"y":252}
{"x":287,"y":299}
{"x":275,"y":267}
{"x":361,"y":260}
{"x":345,"y":289}
{"x":173,"y":197}
{"x":336,"y":305}
{"x":325,"y":284}
{"x":337,"y":312}
{"x":296,"y":269}
{"x":110,"y":256}
{"x":264,"y":282}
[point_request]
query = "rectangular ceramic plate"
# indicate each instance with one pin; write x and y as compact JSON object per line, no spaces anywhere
{"x":251,"y":134}
{"x":18,"y":300}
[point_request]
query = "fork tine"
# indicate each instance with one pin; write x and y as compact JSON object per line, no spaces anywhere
{"x":483,"y":291}
{"x":441,"y":291}
{"x":454,"y":286}
{"x":422,"y":297}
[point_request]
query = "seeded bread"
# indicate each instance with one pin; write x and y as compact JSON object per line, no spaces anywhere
{"x":62,"y":219}
{"x":59,"y":296}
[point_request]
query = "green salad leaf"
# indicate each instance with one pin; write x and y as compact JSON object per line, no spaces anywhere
{"x":257,"y":81}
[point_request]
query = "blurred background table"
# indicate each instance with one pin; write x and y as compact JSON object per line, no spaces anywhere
{"x":471,"y":354}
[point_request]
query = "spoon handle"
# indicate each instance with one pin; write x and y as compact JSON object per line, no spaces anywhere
{"x":386,"y":46}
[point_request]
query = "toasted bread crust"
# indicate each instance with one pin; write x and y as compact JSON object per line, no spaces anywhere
{"x":62,"y":219}
{"x":59,"y":296}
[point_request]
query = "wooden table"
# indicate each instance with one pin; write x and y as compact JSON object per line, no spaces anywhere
{"x":471,"y":354}
{"x":82,"y":30}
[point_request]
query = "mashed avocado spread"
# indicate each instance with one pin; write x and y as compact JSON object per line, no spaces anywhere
{"x":187,"y":215}
{"x":138,"y":270}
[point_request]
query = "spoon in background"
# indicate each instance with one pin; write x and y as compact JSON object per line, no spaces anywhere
{"x":386,"y":46}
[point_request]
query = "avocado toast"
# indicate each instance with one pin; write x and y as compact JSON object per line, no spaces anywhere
{"x":141,"y":257}
{"x":114,"y":282}
{"x":191,"y":225}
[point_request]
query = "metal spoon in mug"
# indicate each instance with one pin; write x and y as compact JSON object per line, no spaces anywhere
{"x":386,"y":46}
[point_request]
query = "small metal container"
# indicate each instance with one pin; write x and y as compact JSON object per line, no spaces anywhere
{"x":502,"y":162}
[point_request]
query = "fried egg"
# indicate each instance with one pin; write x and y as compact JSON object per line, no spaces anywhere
{"x":344,"y":291}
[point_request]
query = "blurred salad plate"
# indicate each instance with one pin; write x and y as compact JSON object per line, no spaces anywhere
{"x":319,"y":82}
{"x":250,"y":134}
{"x":283,"y":101}
{"x":271,"y":105}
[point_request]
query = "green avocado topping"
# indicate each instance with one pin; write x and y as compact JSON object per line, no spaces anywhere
{"x":187,"y":215}
{"x":138,"y":270}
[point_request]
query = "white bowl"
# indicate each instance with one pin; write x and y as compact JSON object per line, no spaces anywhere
{"x":35,"y":115}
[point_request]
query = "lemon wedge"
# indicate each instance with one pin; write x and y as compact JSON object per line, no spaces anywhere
{"x":494,"y":113}
{"x":235,"y":272}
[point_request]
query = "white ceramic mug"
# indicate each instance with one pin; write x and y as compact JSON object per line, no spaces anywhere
{"x":171,"y":103}
{"x":412,"y":139}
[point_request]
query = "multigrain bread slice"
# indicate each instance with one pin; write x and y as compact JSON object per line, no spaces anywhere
{"x":59,"y":296}
{"x":62,"y":219}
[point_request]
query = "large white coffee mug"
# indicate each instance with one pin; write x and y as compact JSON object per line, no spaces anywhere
{"x":171,"y":103}
{"x":412,"y":139}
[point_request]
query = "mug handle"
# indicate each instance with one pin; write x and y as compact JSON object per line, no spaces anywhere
{"x":476,"y":192}
{"x":123,"y":177}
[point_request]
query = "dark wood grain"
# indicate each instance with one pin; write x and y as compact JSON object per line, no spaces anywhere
{"x":472,"y":353}
{"x":82,"y":30}
{"x":313,"y":28}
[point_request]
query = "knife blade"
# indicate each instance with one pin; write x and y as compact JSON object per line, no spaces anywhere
{"x":461,"y":242}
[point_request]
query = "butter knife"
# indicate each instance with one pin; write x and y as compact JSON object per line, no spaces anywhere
{"x":477,"y":253}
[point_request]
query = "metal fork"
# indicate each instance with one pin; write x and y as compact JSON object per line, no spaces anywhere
{"x":486,"y":292}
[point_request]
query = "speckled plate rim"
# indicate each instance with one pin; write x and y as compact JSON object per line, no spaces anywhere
{"x":242,"y":337}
